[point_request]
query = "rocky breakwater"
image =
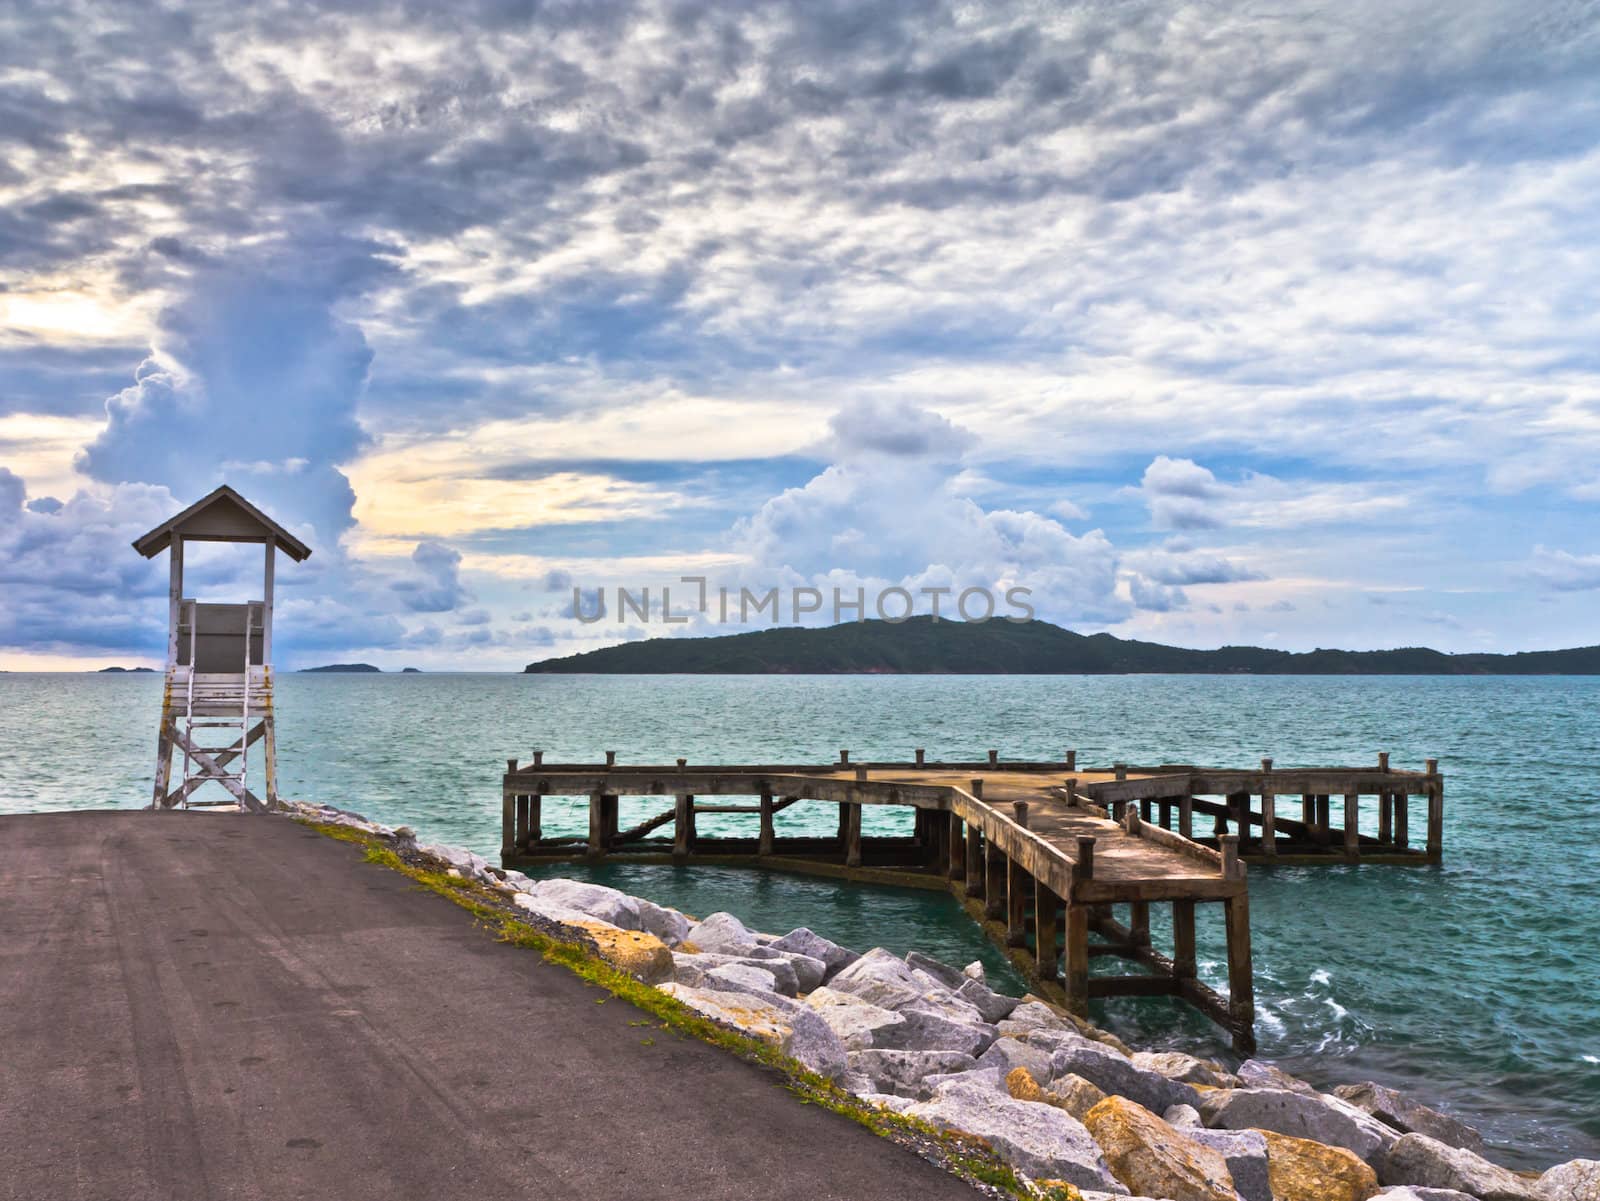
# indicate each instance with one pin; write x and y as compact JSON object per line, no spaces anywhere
{"x":1057,"y":1099}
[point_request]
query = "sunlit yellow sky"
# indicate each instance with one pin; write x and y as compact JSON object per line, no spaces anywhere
{"x":1203,"y":325}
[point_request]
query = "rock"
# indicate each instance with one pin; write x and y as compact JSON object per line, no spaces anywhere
{"x":1117,"y":1076}
{"x":920,"y":1030}
{"x":903,"y":1072}
{"x":522,"y":883}
{"x":1424,"y":1162}
{"x":643,"y":956}
{"x":1300,"y":1115}
{"x":670,"y":926}
{"x":740,"y":977}
{"x":1008,"y":1053}
{"x":889,"y":982}
{"x":975,"y":971}
{"x":806,"y":942}
{"x":692,"y":969}
{"x":1021,"y":1086}
{"x":551,"y":911}
{"x":1183,"y":1115}
{"x":809,"y":971}
{"x":723,"y":934}
{"x":855,"y":1021}
{"x":1244,"y":1151}
{"x":946,"y":975}
{"x":794,"y":1029}
{"x":1407,"y":1193}
{"x":1409,"y":1117}
{"x":1039,"y":1140}
{"x":990,"y":1078}
{"x":1152,"y":1157}
{"x":1300,"y":1169}
{"x":1032,"y":1015}
{"x":1575,"y":1180}
{"x":1258,"y":1073}
{"x":1175,"y":1065}
{"x":1074,"y":1094}
{"x":991,"y":1006}
{"x":607,"y":904}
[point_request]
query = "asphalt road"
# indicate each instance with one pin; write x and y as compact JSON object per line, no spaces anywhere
{"x":205,"y":1006}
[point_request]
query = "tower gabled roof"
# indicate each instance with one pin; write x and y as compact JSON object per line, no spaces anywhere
{"x":222,"y":516}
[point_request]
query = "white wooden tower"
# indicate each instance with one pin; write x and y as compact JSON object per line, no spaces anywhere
{"x":219,"y":662}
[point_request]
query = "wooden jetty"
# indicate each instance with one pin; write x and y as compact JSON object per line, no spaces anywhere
{"x":1059,"y":864}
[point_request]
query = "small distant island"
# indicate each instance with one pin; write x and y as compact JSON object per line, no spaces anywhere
{"x":411,"y":671}
{"x":126,"y":670}
{"x":342,"y":667}
{"x":921,"y":646}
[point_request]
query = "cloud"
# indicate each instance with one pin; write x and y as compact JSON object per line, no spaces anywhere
{"x":396,"y":272}
{"x":1563,"y":571}
{"x":254,"y":379}
{"x":437,"y":585}
{"x":887,"y":512}
{"x":1182,"y":495}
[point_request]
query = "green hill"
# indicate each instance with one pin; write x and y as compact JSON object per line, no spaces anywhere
{"x":922,"y":646}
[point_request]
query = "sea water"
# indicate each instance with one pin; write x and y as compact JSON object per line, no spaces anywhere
{"x":1474,"y":986}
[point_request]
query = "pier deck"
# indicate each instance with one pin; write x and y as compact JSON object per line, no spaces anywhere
{"x":199,"y":1006}
{"x":1042,"y":853}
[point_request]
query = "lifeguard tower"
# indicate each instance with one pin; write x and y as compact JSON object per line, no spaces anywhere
{"x":219,"y":661}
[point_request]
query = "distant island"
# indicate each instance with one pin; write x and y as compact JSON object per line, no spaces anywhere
{"x":128,"y":670}
{"x":411,"y":671}
{"x":343,"y":667}
{"x":921,"y":646}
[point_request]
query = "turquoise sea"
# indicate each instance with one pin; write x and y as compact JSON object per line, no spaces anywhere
{"x":1474,"y":986}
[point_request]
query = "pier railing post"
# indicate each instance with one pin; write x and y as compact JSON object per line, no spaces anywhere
{"x":994,"y":758}
{"x":766,"y":839}
{"x":921,"y":756}
{"x":1072,"y":760}
{"x":1229,"y":845}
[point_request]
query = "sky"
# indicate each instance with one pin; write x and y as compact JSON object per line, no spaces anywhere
{"x":1199,"y":323}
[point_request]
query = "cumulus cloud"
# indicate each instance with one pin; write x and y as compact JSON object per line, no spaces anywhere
{"x":254,"y":379}
{"x":888,"y":513}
